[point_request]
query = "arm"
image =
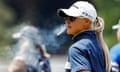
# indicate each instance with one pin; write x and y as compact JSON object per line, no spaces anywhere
{"x":17,"y":65}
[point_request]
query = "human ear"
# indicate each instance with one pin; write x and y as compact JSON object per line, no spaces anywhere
{"x":87,"y":21}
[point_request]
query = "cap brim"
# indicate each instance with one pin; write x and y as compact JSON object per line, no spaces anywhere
{"x":115,"y":27}
{"x":68,"y":12}
{"x":61,"y":13}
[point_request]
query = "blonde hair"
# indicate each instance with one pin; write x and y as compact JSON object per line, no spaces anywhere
{"x":98,"y":26}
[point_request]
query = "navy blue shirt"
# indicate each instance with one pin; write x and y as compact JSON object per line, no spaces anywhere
{"x":86,"y":53}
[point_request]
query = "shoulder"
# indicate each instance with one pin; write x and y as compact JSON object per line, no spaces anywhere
{"x":82,"y":44}
{"x":80,"y":47}
{"x":115,"y":47}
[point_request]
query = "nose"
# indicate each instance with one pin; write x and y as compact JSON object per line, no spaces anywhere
{"x":67,"y":22}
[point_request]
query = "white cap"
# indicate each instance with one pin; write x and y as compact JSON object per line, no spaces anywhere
{"x":28,"y":32}
{"x":116,"y":26}
{"x":80,"y":9}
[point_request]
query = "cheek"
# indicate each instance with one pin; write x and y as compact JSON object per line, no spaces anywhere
{"x":73,"y":27}
{"x":76,"y":28}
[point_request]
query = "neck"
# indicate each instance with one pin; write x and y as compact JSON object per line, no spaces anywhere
{"x":82,"y":31}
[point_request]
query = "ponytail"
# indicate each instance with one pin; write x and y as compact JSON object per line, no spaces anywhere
{"x":98,"y":26}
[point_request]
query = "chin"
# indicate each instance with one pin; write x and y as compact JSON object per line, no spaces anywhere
{"x":69,"y":33}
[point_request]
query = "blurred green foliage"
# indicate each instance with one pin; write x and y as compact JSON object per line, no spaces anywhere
{"x":6,"y":17}
{"x":108,"y":9}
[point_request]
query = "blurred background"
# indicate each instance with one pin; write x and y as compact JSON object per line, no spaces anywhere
{"x":15,"y":14}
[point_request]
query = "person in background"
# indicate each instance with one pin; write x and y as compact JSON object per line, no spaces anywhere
{"x":115,"y":50}
{"x":17,"y":65}
{"x":32,"y":56}
{"x":89,"y":52}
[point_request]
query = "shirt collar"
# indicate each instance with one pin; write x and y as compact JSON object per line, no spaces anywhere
{"x":84,"y":34}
